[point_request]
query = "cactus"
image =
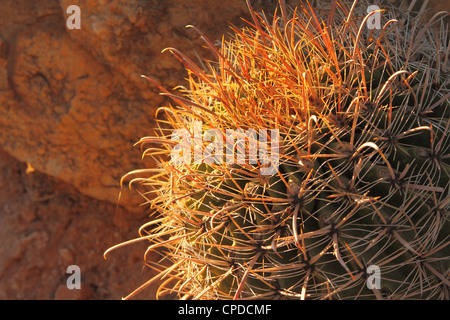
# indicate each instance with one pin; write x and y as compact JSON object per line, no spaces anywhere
{"x":361,"y":179}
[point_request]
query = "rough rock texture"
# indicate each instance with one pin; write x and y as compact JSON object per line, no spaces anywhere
{"x":47,"y":225}
{"x":72,"y":102}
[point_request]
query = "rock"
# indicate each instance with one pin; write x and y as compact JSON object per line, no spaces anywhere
{"x":72,"y":102}
{"x":40,"y":238}
{"x":66,"y":256}
{"x":63,"y":293}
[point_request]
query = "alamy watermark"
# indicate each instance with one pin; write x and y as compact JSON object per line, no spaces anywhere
{"x":74,"y":280}
{"x":373,"y":280}
{"x":74,"y":20}
{"x":257,"y":147}
{"x":374,"y":20}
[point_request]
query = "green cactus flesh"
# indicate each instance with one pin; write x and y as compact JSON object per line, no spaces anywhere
{"x":363,"y":172}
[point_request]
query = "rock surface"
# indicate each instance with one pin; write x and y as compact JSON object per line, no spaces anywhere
{"x":72,"y":102}
{"x":47,"y":226}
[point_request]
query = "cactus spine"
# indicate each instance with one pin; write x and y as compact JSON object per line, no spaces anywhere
{"x":362,"y":179}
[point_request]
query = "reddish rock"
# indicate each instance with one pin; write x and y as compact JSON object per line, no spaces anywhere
{"x":72,"y":102}
{"x":47,"y":225}
{"x":63,"y":293}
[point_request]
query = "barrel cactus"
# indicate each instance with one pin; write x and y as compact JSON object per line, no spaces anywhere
{"x":309,"y":160}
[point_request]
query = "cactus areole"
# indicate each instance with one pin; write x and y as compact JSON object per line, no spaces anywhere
{"x":354,"y":121}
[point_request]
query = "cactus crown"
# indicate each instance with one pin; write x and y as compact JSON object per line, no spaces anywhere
{"x":362,"y":166}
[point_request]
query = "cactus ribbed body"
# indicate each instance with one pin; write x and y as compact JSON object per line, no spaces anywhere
{"x":362,"y":178}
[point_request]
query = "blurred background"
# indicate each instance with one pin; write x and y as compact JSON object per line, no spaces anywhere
{"x":72,"y":104}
